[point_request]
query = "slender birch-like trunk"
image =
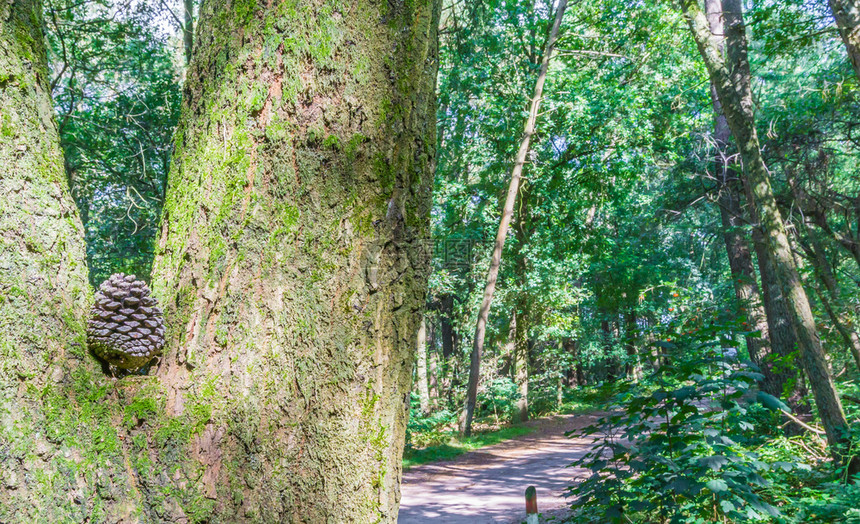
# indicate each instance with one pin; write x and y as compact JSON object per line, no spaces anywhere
{"x":423,"y":386}
{"x":504,"y":224}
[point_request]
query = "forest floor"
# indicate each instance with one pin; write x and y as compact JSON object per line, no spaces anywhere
{"x":488,"y":485}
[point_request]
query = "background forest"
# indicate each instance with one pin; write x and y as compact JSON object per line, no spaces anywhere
{"x":638,"y":276}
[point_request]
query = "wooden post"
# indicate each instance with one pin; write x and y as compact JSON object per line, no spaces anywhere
{"x":531,"y":505}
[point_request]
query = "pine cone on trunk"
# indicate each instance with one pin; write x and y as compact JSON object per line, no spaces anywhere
{"x":126,"y":327}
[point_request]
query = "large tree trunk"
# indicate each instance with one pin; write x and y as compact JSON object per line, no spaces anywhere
{"x":504,"y":223}
{"x":847,"y":15}
{"x":292,"y":265}
{"x":782,"y":334}
{"x":732,"y":78}
{"x":62,"y":459}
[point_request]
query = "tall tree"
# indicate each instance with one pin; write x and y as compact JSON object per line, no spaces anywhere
{"x":730,"y":74}
{"x":731,"y":215}
{"x":61,"y":459}
{"x":292,"y":263}
{"x":847,"y":15}
{"x":504,"y":224}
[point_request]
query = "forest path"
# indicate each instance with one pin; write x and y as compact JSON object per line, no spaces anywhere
{"x":488,"y":485}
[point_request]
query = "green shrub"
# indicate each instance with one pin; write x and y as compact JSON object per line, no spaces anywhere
{"x":677,"y":448}
{"x":498,"y":399}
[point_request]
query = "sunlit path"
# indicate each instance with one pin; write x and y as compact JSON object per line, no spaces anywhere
{"x":487,"y":486}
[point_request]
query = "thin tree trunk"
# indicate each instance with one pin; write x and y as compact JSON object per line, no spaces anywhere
{"x":634,"y":366}
{"x":446,"y":312}
{"x":606,"y":329}
{"x":433,"y":360}
{"x":291,"y":265}
{"x":61,"y":458}
{"x":824,"y":273}
{"x":522,"y":309}
{"x":732,"y":78}
{"x":847,"y":15}
{"x":504,"y":223}
{"x":423,"y":387}
{"x":520,"y":359}
{"x":188,"y":29}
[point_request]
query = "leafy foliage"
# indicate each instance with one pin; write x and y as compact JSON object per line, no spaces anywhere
{"x":117,"y":95}
{"x":679,"y":447}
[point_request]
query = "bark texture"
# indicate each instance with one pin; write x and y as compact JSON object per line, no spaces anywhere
{"x":847,"y":15}
{"x":732,"y":78}
{"x":60,"y":454}
{"x":292,"y":265}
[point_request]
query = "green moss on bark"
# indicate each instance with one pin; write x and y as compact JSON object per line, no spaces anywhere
{"x":291,"y":263}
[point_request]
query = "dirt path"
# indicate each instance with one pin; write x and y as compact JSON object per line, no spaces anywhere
{"x":488,"y":485}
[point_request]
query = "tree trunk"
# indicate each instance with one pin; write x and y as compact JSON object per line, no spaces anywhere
{"x":847,"y":15}
{"x":291,"y":265}
{"x":577,"y":377}
{"x":519,"y":345}
{"x":737,"y":248}
{"x":634,"y":366}
{"x":449,"y":339}
{"x":446,"y":314}
{"x":188,"y":29}
{"x":432,"y":359}
{"x":504,"y":223}
{"x":844,"y":323}
{"x":522,"y":309}
{"x":423,"y":388}
{"x":62,"y":459}
{"x":731,"y":77}
{"x":782,"y":334}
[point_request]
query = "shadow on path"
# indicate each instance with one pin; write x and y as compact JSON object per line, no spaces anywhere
{"x":488,"y":485}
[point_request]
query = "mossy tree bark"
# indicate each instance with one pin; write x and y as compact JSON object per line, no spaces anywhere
{"x":292,"y":265}
{"x":765,"y":310}
{"x":730,"y":74}
{"x":60,"y":453}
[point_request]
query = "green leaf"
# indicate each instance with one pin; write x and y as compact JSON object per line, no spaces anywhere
{"x":717,"y":485}
{"x":771,"y":402}
{"x":715,"y":462}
